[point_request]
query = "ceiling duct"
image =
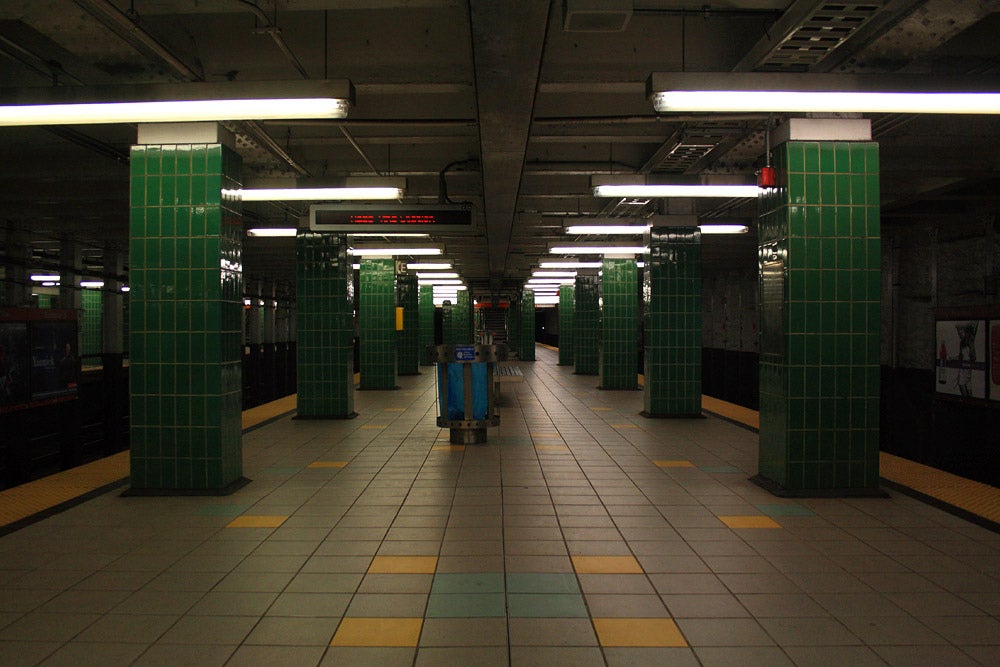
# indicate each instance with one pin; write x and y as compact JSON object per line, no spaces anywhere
{"x":597,"y":15}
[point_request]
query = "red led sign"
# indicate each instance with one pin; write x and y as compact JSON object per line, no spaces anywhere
{"x":390,"y":217}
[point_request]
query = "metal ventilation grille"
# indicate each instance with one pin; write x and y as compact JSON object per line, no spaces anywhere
{"x":695,"y":143}
{"x":818,"y":35}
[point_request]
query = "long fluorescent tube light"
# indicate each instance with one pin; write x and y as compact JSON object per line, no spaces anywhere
{"x":319,"y":194}
{"x":598,"y":250}
{"x":546,"y":301}
{"x":723,"y":229}
{"x":44,"y":277}
{"x":92,"y":283}
{"x":362,"y":252}
{"x":756,"y":92}
{"x":838,"y":102}
{"x":553,"y":274}
{"x":551,"y":281}
{"x":439,"y":281}
{"x":272,"y":231}
{"x":569,"y":265}
{"x":429,"y":266}
{"x":728,"y":191}
{"x":619,"y":230}
{"x":376,"y":234}
{"x":440,"y":274}
{"x":163,"y":103}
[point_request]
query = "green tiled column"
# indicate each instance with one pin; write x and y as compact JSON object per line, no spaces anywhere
{"x":586,"y":326}
{"x":91,"y":330}
{"x":461,"y":319}
{"x":566,"y":307}
{"x":377,"y":323}
{"x":409,"y":338}
{"x":514,"y":326}
{"x":185,"y":326}
{"x":527,"y":338}
{"x":619,"y":358}
{"x":324,"y":327}
{"x":672,"y":331}
{"x":820,"y":319}
{"x":447,"y":329}
{"x":426,"y":322}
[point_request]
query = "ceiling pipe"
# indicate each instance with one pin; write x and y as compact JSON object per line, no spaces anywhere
{"x":275,"y":33}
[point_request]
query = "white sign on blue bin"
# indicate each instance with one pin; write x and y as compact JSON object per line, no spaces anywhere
{"x":465,"y":353}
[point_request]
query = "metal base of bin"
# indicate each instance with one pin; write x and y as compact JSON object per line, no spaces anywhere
{"x":468,"y":436}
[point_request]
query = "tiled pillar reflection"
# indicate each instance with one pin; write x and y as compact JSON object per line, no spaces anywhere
{"x":185,"y":328}
{"x":820,"y":289}
{"x":409,"y":338}
{"x":426,"y":322}
{"x":586,"y":326}
{"x":619,"y":358}
{"x":672,"y":331}
{"x":527,"y":338}
{"x":324,"y":327}
{"x":566,"y":308}
{"x":377,"y":323}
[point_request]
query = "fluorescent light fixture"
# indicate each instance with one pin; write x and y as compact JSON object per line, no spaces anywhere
{"x":92,"y":283}
{"x":756,"y":92}
{"x":126,"y":288}
{"x":374,"y":234}
{"x":546,"y":300}
{"x":429,"y":266}
{"x":570,"y":265}
{"x":318,"y":194}
{"x":431,"y":276}
{"x":551,"y":281}
{"x":44,"y":277}
{"x":272,"y":231}
{"x":166,"y":103}
{"x":620,"y":230}
{"x":728,"y":191}
{"x":362,"y":252}
{"x":598,"y":250}
{"x":723,"y":229}
{"x":356,"y":267}
{"x":50,"y":284}
{"x":553,"y":274}
{"x":440,"y":281}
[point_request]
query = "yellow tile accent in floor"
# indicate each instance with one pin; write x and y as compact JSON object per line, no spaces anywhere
{"x":749,"y":521}
{"x":673,"y":464}
{"x":731,"y":411}
{"x":378,"y":632}
{"x":263,"y":413}
{"x":26,"y":500}
{"x":551,"y":448}
{"x":403,"y":565}
{"x":624,"y":426}
{"x":327,"y":464}
{"x":257,"y":521}
{"x":638,"y":632}
{"x":448,"y":448}
{"x":965,"y":494}
{"x":606,"y":565}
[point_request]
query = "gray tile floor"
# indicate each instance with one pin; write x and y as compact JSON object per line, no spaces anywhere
{"x":580,"y":534}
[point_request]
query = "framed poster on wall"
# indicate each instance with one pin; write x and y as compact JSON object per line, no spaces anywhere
{"x":961,"y":358}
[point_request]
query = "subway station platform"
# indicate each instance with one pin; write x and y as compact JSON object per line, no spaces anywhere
{"x":580,"y":534}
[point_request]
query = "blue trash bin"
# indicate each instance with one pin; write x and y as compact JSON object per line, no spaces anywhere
{"x":466,"y":394}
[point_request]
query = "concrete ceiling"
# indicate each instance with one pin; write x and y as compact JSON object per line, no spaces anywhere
{"x":507,"y":104}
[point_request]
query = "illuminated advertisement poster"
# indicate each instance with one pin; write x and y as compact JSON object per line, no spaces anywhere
{"x":55,"y":363}
{"x":961,"y":358}
{"x":15,"y":364}
{"x":995,"y":360}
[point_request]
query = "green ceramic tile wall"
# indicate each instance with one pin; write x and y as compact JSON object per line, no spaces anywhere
{"x":324,"y":323}
{"x":619,"y":356}
{"x":820,"y":317}
{"x":566,"y":307}
{"x":514,"y":325}
{"x":586,"y":326}
{"x":91,"y":330}
{"x":44,"y":300}
{"x":185,"y":317}
{"x":672,"y":315}
{"x":377,"y":323}
{"x":526,"y":339}
{"x":408,"y":340}
{"x":461,"y":320}
{"x":426,"y":322}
